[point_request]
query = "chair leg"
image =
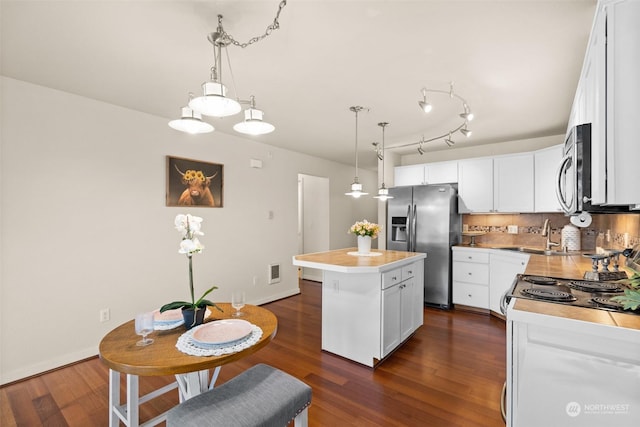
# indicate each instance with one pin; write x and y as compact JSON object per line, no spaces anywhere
{"x":302,"y":419}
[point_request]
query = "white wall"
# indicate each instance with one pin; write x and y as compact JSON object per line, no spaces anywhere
{"x":85,"y":227}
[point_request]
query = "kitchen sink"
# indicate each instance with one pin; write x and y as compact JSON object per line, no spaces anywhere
{"x":535,"y":251}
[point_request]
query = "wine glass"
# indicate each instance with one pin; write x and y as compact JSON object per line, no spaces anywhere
{"x":144,"y":326}
{"x":237,"y":302}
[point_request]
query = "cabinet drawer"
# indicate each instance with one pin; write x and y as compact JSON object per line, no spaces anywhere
{"x":471,"y":256}
{"x":470,"y":294}
{"x":391,"y":278}
{"x":408,"y":271}
{"x":471,"y":273}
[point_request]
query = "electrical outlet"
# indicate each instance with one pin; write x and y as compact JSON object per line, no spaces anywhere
{"x":105,"y":315}
{"x":512,"y":229}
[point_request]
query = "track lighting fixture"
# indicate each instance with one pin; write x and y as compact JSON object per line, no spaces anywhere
{"x":424,"y":105}
{"x":449,"y":141}
{"x":467,"y":115}
{"x":377,"y":149}
{"x":420,"y":149}
{"x":383,"y":192}
{"x":356,"y":187}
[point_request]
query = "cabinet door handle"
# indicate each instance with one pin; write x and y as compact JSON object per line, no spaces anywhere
{"x":469,"y":295}
{"x":410,"y":271}
{"x":394,"y":278}
{"x":470,"y":257}
{"x":469,"y":274}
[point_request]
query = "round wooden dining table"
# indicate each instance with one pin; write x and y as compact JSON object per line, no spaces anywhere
{"x":118,"y":350}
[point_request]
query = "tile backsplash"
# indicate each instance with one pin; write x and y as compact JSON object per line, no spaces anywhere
{"x":607,"y":230}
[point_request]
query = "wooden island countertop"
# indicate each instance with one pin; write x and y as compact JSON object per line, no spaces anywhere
{"x":341,"y":261}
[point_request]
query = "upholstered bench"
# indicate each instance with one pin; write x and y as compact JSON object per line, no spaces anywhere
{"x":260,"y":396}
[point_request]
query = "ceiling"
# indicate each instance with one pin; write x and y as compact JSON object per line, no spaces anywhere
{"x":515,"y":62}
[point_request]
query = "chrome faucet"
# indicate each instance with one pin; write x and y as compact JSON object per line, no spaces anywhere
{"x":546,"y":232}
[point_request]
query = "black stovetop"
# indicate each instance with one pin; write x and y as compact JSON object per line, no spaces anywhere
{"x":575,"y":292}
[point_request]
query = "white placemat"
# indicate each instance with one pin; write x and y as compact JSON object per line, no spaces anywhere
{"x":369,"y":254}
{"x":186,"y":344}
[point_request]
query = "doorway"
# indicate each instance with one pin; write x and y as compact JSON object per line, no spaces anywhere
{"x":313,"y":219}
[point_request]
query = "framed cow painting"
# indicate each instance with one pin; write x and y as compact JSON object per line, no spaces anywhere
{"x":194,"y":183}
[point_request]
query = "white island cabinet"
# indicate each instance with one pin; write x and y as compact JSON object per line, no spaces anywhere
{"x":370,"y":304}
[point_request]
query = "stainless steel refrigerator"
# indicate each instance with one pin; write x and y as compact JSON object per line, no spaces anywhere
{"x":425,"y":218}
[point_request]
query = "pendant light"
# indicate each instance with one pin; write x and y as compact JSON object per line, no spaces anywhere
{"x":190,"y":121}
{"x":383,"y":192}
{"x":214,"y":101}
{"x":253,"y":123}
{"x":356,"y":187}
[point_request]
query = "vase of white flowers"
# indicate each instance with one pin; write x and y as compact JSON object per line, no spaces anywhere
{"x":366,"y":231}
{"x":193,"y":312}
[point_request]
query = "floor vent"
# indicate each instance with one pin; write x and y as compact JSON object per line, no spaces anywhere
{"x":274,"y":274}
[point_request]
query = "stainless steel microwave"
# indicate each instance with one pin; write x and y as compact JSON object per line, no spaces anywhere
{"x":573,"y":187}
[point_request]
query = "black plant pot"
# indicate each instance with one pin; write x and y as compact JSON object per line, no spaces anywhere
{"x":188,"y":315}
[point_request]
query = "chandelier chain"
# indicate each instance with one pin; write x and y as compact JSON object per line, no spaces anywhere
{"x":274,"y":26}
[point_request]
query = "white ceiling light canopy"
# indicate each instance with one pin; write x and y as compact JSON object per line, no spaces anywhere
{"x":190,"y":121}
{"x":253,"y":123}
{"x":214,"y":101}
{"x":383,"y":192}
{"x":356,"y":187}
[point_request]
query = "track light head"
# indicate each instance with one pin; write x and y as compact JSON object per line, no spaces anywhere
{"x":424,"y":105}
{"x":466,"y":132}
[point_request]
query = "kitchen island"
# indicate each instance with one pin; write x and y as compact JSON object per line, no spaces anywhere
{"x":371,"y":304}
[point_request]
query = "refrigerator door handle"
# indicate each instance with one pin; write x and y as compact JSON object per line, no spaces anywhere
{"x":414,"y":219}
{"x":408,"y":228}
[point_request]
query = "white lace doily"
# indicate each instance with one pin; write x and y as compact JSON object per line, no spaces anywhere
{"x":186,"y":344}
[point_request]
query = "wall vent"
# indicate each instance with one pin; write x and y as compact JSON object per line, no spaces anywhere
{"x":273,"y":274}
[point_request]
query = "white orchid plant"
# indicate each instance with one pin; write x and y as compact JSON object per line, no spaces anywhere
{"x":190,"y":227}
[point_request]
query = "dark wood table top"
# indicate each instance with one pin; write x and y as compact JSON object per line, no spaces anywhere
{"x":118,"y":349}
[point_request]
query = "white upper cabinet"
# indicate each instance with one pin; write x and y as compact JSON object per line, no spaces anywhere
{"x":513,"y":183}
{"x":426,"y":173}
{"x":441,"y":172}
{"x":546,"y":163}
{"x":408,"y":175}
{"x":475,"y":185}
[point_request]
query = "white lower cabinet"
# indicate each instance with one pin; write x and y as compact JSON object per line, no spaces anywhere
{"x":481,"y":276}
{"x":471,"y":277}
{"x":402,"y":306}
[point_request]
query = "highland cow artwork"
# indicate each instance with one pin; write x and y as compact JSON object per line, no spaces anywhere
{"x":194,"y":183}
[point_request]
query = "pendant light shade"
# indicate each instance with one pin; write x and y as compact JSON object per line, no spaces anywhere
{"x":190,"y":122}
{"x":214,"y":101}
{"x":253,"y":123}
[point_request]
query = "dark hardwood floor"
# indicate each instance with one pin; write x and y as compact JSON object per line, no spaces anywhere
{"x":450,"y":373}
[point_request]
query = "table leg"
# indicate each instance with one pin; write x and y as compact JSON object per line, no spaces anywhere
{"x":194,"y":383}
{"x":114,"y":397}
{"x":133,"y":405}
